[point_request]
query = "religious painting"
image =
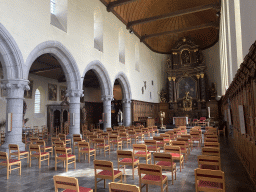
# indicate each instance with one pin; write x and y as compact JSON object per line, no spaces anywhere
{"x":28,"y":94}
{"x":186,"y":84}
{"x":52,"y":92}
{"x":62,"y":93}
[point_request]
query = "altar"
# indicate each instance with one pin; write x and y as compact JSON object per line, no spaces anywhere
{"x":180,"y":121}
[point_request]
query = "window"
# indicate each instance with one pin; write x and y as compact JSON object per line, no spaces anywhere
{"x":59,"y":10}
{"x":37,"y":101}
{"x":121,"y":46}
{"x":53,"y":4}
{"x":98,"y":30}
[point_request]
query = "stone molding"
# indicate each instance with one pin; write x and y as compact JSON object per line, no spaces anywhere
{"x":75,"y":93}
{"x":107,"y":98}
{"x":15,"y":88}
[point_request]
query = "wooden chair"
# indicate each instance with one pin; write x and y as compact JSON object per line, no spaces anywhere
{"x":107,"y":172}
{"x":176,"y":154}
{"x":211,"y":144}
{"x":20,"y":154}
{"x":105,"y":136}
{"x":155,"y":129}
{"x":186,"y":141}
{"x":166,"y":137}
{"x":132,"y":135}
{"x":177,"y":132}
{"x":127,"y":158}
{"x":152,"y":145}
{"x":183,"y":130}
{"x":211,"y":137}
{"x":43,"y":147}
{"x":125,"y":138}
{"x":8,"y":163}
{"x":196,"y":136}
{"x":68,"y":183}
{"x":140,"y":150}
{"x":171,"y":134}
{"x":62,"y":144}
{"x":188,"y":137}
{"x":160,"y":141}
{"x":92,"y":138}
{"x":115,"y":140}
{"x":166,"y":162}
{"x":53,"y":139}
{"x":209,"y":180}
{"x":151,"y":131}
{"x":209,"y":162}
{"x":84,"y":148}
{"x":76,"y":139}
{"x":100,"y":144}
{"x":207,"y":139}
{"x":87,"y":136}
{"x":183,"y":148}
{"x":109,"y":130}
{"x":153,"y":176}
{"x":115,"y":187}
{"x":35,"y":151}
{"x":145,"y":131}
{"x":213,"y":151}
{"x":63,"y":138}
{"x":139,"y":134}
{"x":62,"y":155}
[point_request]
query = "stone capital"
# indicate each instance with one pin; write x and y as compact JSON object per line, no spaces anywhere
{"x":126,"y":101}
{"x":174,"y":78}
{"x":14,"y":88}
{"x":75,"y":93}
{"x":107,"y":98}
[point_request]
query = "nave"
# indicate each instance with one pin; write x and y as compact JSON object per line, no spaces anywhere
{"x":34,"y":179}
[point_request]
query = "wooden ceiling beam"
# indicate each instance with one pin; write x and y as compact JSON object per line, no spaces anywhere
{"x":44,"y":69}
{"x":114,"y":4}
{"x":173,"y":14}
{"x":197,"y":27}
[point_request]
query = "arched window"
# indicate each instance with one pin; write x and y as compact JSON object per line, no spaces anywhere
{"x":59,"y":12}
{"x":37,"y":101}
{"x":53,"y":6}
{"x":121,"y":46}
{"x":98,"y":30}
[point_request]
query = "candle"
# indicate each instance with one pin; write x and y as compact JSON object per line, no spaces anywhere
{"x":209,"y":112}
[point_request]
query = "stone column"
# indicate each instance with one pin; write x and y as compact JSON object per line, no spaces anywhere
{"x":175,"y":91}
{"x":170,"y":90}
{"x":74,"y":111}
{"x":14,"y":92}
{"x":198,"y":87}
{"x":127,"y":112}
{"x":107,"y":110}
{"x":202,"y":87}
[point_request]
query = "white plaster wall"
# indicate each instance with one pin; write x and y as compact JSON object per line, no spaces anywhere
{"x":212,"y":62}
{"x":29,"y":24}
{"x":36,"y":119}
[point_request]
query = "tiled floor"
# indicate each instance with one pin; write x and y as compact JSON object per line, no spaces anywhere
{"x":33,"y":179}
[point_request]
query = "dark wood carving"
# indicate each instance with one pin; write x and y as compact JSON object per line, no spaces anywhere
{"x":187,"y":82}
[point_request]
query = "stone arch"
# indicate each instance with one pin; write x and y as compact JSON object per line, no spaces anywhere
{"x":126,"y":89}
{"x":10,"y":56}
{"x":127,"y":96}
{"x":102,"y":75}
{"x":65,"y":59}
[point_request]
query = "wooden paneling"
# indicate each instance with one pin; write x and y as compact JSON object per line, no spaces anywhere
{"x":142,"y":110}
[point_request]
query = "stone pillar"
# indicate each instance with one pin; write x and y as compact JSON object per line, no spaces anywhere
{"x":202,"y":88}
{"x":127,"y":112}
{"x":198,"y":87}
{"x":14,"y":90}
{"x":74,"y":111}
{"x":170,"y":90}
{"x":107,"y":110}
{"x":175,"y":91}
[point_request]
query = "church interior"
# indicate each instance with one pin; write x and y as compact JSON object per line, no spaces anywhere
{"x":146,"y":95}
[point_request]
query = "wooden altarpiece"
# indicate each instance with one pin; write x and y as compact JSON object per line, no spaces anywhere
{"x":186,"y":81}
{"x":63,"y":107}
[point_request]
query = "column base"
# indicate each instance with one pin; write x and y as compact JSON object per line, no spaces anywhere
{"x":5,"y":146}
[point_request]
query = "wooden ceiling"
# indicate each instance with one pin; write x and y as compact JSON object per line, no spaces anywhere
{"x":159,"y":24}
